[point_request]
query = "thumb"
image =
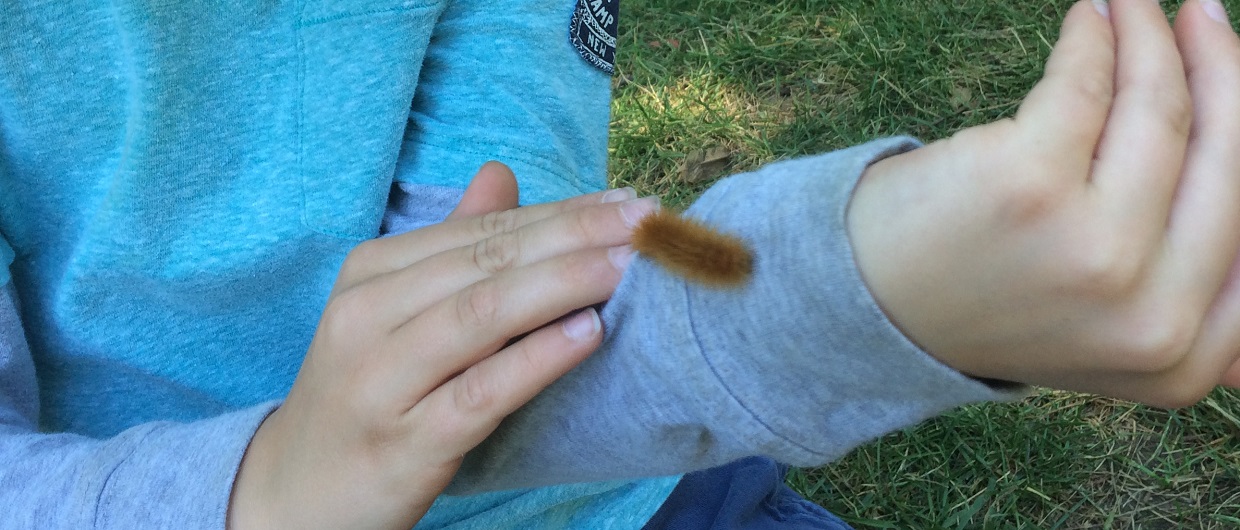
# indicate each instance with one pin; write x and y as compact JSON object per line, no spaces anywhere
{"x":493,"y":189}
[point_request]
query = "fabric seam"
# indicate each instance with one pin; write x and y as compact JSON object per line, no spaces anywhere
{"x":101,"y":501}
{"x":706,"y":358}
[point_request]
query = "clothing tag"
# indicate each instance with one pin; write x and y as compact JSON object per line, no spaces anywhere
{"x":594,"y":30}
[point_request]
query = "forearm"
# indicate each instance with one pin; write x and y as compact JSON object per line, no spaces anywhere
{"x":799,"y":364}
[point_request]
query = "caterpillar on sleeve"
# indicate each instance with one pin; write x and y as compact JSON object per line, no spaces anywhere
{"x":692,"y":250}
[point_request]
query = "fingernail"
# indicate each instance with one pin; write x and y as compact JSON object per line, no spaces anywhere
{"x":582,"y":326}
{"x":620,"y":194}
{"x":1103,"y":8}
{"x":620,"y":256}
{"x":636,"y":209}
{"x":1215,"y":10}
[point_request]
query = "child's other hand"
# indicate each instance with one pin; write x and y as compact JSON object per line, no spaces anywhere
{"x":428,"y":340}
{"x":1090,"y":243}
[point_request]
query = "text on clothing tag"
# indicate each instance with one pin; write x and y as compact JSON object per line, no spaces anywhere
{"x":593,"y":31}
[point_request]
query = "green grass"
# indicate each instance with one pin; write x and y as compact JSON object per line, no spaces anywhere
{"x":766,"y":80}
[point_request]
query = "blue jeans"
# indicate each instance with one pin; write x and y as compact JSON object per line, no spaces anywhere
{"x":748,"y":494}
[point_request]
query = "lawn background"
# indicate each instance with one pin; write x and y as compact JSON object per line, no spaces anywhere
{"x":705,"y":88}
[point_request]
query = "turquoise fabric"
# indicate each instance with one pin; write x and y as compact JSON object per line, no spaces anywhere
{"x":181,"y":181}
{"x":500,"y":86}
{"x":6,"y":258}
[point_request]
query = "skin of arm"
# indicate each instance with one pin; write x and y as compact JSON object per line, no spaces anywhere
{"x":1089,"y":243}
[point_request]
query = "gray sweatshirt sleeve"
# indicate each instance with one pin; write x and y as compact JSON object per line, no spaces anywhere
{"x":800,"y":364}
{"x":158,"y":475}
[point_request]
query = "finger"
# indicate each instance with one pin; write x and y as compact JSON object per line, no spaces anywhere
{"x":1219,"y":343}
{"x":1202,"y":246}
{"x":1205,"y":217}
{"x":460,"y":330}
{"x":1142,"y":148}
{"x":399,"y":296}
{"x":1232,"y":378}
{"x":1217,"y":349}
{"x":462,"y":412}
{"x":1199,"y":266}
{"x":1066,"y":111}
{"x":1178,"y":376}
{"x":381,"y":256}
{"x":493,"y":189}
{"x":1169,"y":368}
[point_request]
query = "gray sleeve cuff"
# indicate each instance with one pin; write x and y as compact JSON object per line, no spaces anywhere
{"x":800,"y":364}
{"x":823,"y":369}
{"x":155,"y":475}
{"x":180,"y":475}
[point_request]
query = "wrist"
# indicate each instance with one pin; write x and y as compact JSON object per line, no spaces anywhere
{"x":250,"y":503}
{"x":889,"y":255}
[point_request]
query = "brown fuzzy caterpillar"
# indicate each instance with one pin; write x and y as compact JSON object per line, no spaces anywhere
{"x":690,"y":249}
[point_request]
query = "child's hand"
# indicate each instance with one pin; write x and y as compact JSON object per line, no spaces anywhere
{"x":423,"y":349}
{"x":1090,"y":243}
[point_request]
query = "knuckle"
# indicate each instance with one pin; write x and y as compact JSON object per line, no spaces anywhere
{"x":528,"y":360}
{"x":1024,"y":198}
{"x":1105,"y":267}
{"x":1173,"y":107}
{"x":478,"y":305}
{"x":344,"y":311}
{"x":1094,"y":91}
{"x":584,"y":224}
{"x":497,"y":253}
{"x":359,"y":259}
{"x":495,"y":223}
{"x":1180,"y":113}
{"x":1160,"y":342}
{"x":475,"y":395}
{"x":1025,"y":201}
